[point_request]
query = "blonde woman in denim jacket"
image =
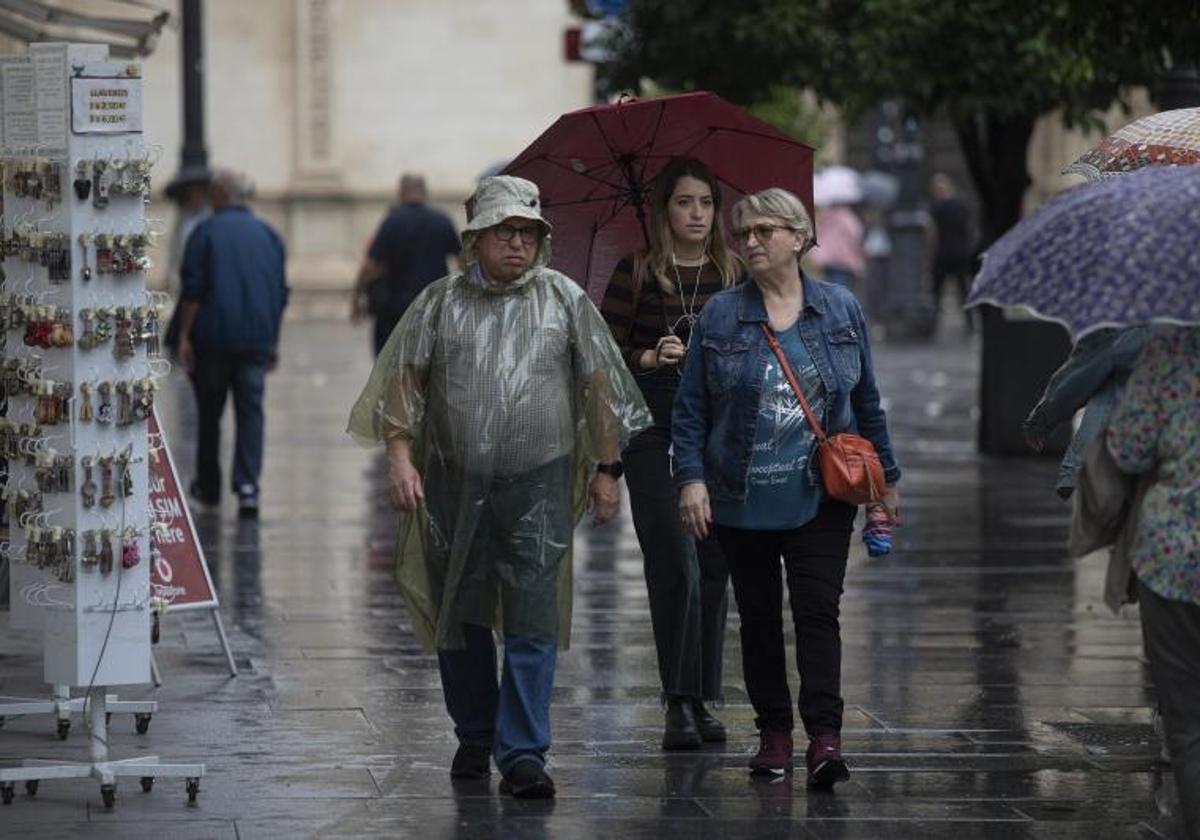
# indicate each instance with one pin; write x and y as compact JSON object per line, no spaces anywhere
{"x":744,"y":463}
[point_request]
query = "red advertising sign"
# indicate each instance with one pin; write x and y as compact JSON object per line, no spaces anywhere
{"x":179,"y":574}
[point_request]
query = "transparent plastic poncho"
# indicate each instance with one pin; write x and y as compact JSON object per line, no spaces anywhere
{"x":509,"y":397}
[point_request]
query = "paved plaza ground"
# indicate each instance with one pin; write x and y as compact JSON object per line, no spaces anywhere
{"x":989,"y":692}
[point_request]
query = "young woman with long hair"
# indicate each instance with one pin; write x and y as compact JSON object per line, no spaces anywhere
{"x":652,"y":301}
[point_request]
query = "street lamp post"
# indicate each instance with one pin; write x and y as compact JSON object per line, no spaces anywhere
{"x":193,"y":162}
{"x":900,"y":151}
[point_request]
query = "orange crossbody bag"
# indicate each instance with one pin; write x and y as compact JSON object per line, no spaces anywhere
{"x":850,"y":467}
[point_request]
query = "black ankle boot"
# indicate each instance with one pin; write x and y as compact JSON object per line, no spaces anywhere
{"x":712,"y":731}
{"x":680,"y":732}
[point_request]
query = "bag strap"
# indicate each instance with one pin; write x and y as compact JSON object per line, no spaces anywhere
{"x":791,"y":378}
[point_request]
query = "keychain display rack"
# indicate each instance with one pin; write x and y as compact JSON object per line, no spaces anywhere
{"x":78,"y":373}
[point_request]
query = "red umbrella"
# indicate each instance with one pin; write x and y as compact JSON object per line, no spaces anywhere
{"x":595,"y":168}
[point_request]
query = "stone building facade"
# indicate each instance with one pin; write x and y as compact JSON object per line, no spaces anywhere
{"x":323,"y":103}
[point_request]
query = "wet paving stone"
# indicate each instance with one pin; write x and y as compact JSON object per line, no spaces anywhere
{"x":989,"y":692}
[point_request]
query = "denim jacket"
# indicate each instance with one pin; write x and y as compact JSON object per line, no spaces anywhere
{"x":1094,"y":375}
{"x":716,"y":407}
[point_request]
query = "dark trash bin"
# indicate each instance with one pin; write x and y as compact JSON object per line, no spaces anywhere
{"x":1020,"y":353}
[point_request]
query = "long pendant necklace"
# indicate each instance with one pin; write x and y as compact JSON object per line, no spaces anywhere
{"x":688,"y":319}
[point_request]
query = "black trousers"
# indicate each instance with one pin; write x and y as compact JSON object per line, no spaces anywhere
{"x":686,"y":579}
{"x":814,"y":563}
{"x":958,"y":271}
{"x":1171,"y":634}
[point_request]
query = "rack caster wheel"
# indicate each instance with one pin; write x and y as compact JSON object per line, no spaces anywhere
{"x":141,"y":722}
{"x":193,"y":790}
{"x":31,"y":787}
{"x":109,"y":794}
{"x":108,"y":718}
{"x":147,"y":784}
{"x":1,"y":720}
{"x":64,"y":728}
{"x":6,"y":792}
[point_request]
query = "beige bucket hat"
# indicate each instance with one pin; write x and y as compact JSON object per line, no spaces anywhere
{"x":500,"y":197}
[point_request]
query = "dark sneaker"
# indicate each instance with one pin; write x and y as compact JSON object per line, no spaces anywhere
{"x":825,"y":764}
{"x":527,"y":780}
{"x":712,"y":731}
{"x":471,"y":762}
{"x":680,"y":732}
{"x":774,"y":753}
{"x":247,"y":503}
{"x":201,"y":502}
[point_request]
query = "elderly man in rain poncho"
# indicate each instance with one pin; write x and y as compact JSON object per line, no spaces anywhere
{"x":504,"y":406}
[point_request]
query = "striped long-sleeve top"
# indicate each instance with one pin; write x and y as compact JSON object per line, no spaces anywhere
{"x":639,"y":318}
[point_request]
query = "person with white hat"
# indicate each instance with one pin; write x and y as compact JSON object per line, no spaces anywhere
{"x":504,"y":405}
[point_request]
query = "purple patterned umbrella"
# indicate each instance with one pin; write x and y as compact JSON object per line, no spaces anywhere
{"x":1115,"y":252}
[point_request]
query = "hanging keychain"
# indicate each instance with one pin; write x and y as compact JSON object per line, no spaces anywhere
{"x":124,"y":404}
{"x":88,"y":490}
{"x":123,"y":340}
{"x":106,"y":481}
{"x":89,"y":339}
{"x":104,"y":414}
{"x":130,"y":553}
{"x":126,"y":475}
{"x":106,"y":551}
{"x":85,"y":270}
{"x":85,"y":403}
{"x":66,"y":559}
{"x":90,"y":558}
{"x":150,"y":332}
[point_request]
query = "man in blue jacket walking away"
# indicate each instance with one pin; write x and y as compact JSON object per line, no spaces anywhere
{"x":234,"y":290}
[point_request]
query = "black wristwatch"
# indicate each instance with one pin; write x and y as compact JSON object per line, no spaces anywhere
{"x":616,"y":469}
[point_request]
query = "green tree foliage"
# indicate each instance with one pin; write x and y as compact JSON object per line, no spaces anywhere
{"x":994,"y":66}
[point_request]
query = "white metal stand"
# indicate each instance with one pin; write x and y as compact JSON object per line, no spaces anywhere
{"x":145,"y":768}
{"x":233,"y":668}
{"x":62,"y":705}
{"x":76,"y":174}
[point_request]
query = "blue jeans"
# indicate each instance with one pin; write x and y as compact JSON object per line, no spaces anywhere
{"x":512,"y":718}
{"x":215,"y":375}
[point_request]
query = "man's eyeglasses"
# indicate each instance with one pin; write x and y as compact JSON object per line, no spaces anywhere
{"x":529,"y":235}
{"x":762,"y":233}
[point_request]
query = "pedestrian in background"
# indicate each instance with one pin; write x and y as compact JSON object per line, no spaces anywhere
{"x":407,"y":253}
{"x":651,"y":303}
{"x":504,"y":406}
{"x":839,"y":256}
{"x":745,"y":465}
{"x":234,"y":290}
{"x":1155,"y":430}
{"x":953,"y":243}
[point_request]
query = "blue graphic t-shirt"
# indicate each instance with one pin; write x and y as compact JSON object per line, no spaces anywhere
{"x":779,"y":495}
